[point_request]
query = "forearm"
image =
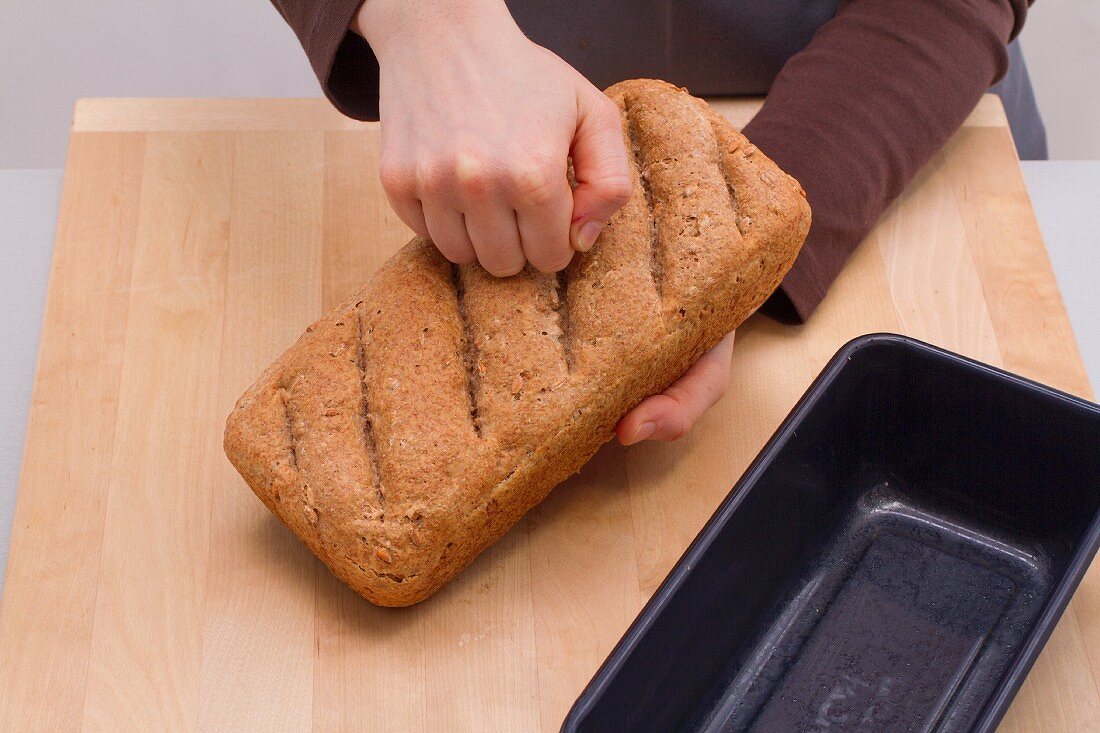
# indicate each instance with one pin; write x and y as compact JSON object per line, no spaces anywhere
{"x":335,"y":35}
{"x":857,"y":113}
{"x":386,"y":22}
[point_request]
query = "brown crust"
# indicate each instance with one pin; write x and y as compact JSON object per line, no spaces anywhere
{"x":415,"y":423}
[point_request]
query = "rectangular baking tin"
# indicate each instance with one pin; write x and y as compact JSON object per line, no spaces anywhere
{"x":893,"y":560}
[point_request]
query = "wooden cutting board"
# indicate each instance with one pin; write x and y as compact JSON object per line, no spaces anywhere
{"x":149,"y":590}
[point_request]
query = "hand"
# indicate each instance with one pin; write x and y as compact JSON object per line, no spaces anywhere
{"x":669,"y":415}
{"x":478,"y":123}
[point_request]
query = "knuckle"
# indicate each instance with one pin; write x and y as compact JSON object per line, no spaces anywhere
{"x":442,"y":242}
{"x":608,"y":111}
{"x":618,"y":189}
{"x":498,"y":266}
{"x":681,"y":424}
{"x":554,"y":261}
{"x":398,"y":180}
{"x":538,"y":182}
{"x":460,"y":255}
{"x":433,"y":177}
{"x":607,"y":116}
{"x":476,"y":175}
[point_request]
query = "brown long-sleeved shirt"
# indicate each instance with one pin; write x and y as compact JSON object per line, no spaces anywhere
{"x":854,"y":107}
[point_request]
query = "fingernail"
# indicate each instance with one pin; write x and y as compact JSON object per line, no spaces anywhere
{"x":588,"y":234}
{"x":644,"y":430}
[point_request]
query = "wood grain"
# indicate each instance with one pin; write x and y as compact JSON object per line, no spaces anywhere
{"x":149,"y":590}
{"x":259,"y":606}
{"x":144,"y":664}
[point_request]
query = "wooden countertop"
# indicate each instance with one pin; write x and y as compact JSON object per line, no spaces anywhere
{"x":147,"y":589}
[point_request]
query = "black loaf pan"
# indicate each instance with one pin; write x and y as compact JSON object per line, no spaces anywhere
{"x":893,"y":560}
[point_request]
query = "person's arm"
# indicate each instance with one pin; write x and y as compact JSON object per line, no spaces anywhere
{"x":478,"y":124}
{"x":854,"y":116}
{"x":475,"y":182}
{"x":478,"y":127}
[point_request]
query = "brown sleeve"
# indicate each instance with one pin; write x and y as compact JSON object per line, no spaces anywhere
{"x":344,"y":62}
{"x":854,"y":116}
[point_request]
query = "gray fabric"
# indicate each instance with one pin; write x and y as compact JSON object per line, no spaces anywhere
{"x":710,"y":46}
{"x":718,"y":47}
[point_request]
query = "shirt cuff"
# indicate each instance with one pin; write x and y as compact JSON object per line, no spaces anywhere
{"x":344,"y":63}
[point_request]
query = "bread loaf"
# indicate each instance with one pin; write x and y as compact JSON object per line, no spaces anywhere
{"x":416,"y":422}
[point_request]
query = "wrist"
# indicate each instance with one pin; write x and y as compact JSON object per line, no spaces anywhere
{"x":387,"y":24}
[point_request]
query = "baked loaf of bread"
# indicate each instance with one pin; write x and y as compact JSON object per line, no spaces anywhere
{"x":411,"y":426}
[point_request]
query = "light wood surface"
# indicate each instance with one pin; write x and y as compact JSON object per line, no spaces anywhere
{"x":147,"y":589}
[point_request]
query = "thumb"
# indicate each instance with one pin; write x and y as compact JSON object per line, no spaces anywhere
{"x":604,"y":182}
{"x":669,"y":415}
